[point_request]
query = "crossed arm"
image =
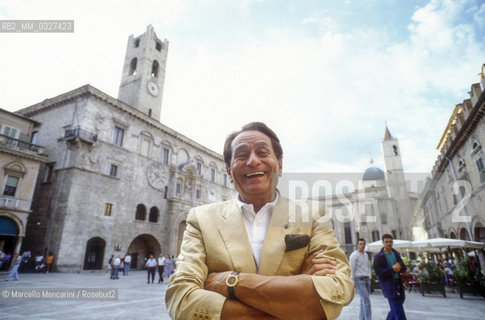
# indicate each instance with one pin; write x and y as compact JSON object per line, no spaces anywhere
{"x":274,"y":297}
{"x":195,"y":291}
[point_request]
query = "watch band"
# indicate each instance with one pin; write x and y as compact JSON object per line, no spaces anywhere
{"x":231,"y":283}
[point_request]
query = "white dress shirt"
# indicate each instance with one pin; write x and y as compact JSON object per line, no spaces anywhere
{"x":359,"y":263}
{"x":256,"y":224}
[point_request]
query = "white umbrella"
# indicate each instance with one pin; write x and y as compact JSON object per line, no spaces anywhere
{"x":445,"y":242}
{"x":396,"y":243}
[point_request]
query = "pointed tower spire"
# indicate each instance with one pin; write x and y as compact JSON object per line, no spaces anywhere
{"x":387,"y":135}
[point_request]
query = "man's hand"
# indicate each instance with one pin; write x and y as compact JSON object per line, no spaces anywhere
{"x":216,"y":281}
{"x":318,"y":266}
{"x":396,"y":267}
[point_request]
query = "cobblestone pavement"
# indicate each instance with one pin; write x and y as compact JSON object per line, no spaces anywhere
{"x":146,"y":301}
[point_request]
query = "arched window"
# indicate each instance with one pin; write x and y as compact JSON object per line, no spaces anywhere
{"x":394,"y":148}
{"x":154,"y":213}
{"x":137,"y":43}
{"x":155,"y":69}
{"x":133,"y":63}
{"x":141,"y":212}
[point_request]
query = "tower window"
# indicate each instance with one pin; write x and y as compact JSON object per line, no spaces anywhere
{"x":118,"y":136}
{"x":394,"y":148}
{"x":155,"y":69}
{"x":165,"y":156}
{"x":137,"y":43}
{"x":158,"y":46}
{"x":133,"y":66}
{"x":213,"y":174}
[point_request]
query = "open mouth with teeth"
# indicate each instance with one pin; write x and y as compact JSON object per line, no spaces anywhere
{"x":255,"y":174}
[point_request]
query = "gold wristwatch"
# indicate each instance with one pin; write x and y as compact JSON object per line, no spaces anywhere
{"x":231,"y":282}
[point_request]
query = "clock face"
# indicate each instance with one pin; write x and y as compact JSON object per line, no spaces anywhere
{"x":152,"y":88}
{"x":157,"y":176}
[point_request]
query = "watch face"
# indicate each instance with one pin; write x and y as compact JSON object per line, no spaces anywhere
{"x":157,"y":176}
{"x":231,"y":280}
{"x":152,"y":88}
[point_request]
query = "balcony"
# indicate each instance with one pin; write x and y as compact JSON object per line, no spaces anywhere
{"x":20,"y":145}
{"x":82,"y":134}
{"x":9,"y":203}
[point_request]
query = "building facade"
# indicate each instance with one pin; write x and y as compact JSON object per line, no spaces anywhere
{"x":118,"y":181}
{"x":380,"y":204}
{"x":452,"y":204}
{"x":20,"y":160}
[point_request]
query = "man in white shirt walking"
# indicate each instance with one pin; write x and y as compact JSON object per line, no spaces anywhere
{"x":360,"y":273}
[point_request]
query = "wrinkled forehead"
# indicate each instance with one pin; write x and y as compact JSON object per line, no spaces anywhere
{"x":248,"y":139}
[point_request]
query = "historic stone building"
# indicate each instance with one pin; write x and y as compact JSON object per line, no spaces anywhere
{"x":381,"y":203}
{"x":119,"y":180}
{"x":452,"y":204}
{"x":20,"y":159}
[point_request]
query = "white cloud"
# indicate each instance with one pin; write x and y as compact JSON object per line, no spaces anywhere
{"x":328,"y":97}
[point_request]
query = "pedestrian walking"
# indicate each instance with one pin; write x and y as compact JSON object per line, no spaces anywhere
{"x":161,"y":267}
{"x":360,"y":274}
{"x":388,"y":266}
{"x":151,"y":265}
{"x":48,"y":262}
{"x":169,"y":268}
{"x":116,"y":267}
{"x":126,"y":264}
{"x":14,"y":272}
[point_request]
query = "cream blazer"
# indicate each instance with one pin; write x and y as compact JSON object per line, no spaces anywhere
{"x":216,"y":240}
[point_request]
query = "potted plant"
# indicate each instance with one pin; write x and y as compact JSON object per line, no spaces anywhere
{"x":469,"y":280}
{"x":431,"y":279}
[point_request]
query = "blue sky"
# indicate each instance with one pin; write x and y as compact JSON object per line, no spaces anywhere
{"x":326,"y":75}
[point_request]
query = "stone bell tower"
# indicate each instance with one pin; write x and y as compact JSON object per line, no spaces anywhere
{"x":143,"y":74}
{"x":396,"y":184}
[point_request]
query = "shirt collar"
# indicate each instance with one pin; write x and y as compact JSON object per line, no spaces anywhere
{"x":270,"y":205}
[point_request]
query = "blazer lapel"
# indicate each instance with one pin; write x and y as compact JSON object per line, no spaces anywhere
{"x":235,"y":236}
{"x":274,"y":244}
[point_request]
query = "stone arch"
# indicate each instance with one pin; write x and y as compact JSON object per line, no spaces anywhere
{"x":452,"y":235}
{"x":463,"y":234}
{"x":141,"y":212}
{"x":154,"y":214}
{"x":93,"y":258}
{"x":141,"y":247}
{"x":175,"y":236}
{"x":11,"y":234}
{"x":18,"y":223}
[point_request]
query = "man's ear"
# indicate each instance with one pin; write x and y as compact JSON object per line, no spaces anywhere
{"x":228,"y":170}
{"x":280,"y":165}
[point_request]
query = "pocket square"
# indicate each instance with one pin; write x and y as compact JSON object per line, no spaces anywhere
{"x":296,"y":241}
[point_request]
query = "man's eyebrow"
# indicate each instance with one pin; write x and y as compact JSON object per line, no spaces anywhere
{"x":261,"y":144}
{"x":241,"y":147}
